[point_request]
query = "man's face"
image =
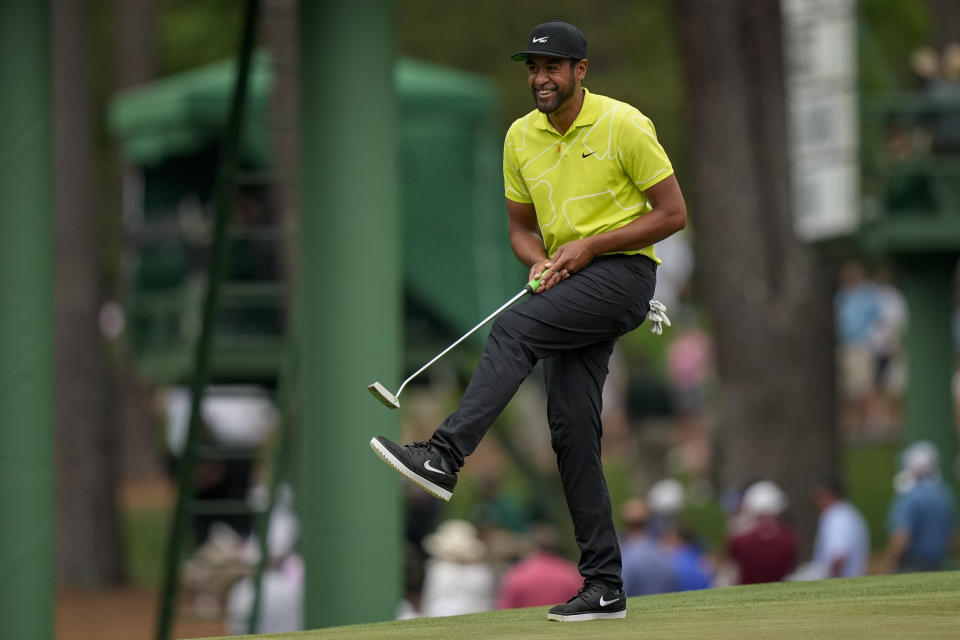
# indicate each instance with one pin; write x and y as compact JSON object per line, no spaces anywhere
{"x":822,"y":498}
{"x":553,"y":81}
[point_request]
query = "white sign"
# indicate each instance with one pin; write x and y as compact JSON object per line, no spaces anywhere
{"x":821,"y":83}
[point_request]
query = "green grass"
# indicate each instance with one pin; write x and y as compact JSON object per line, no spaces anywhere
{"x":869,"y":471}
{"x":902,"y":606}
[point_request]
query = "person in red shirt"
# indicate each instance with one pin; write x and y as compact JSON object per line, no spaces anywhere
{"x":765,"y":550}
{"x":542,"y":577}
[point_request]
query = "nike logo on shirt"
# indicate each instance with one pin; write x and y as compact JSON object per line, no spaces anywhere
{"x":585,"y":155}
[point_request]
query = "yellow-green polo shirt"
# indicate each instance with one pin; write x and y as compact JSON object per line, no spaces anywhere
{"x":590,"y":180}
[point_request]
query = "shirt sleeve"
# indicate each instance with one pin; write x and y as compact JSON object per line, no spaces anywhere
{"x":836,"y":539}
{"x":640,"y":153}
{"x":514,"y":186}
{"x":898,"y":518}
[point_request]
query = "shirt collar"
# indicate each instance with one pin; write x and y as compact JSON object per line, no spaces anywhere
{"x":587,"y":115}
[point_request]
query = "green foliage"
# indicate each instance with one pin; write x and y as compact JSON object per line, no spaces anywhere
{"x":633,"y":49}
{"x":197,"y":32}
{"x":889,"y":32}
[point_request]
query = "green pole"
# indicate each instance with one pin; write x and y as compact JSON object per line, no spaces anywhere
{"x":927,"y":284}
{"x":349,"y":502}
{"x":26,"y":330}
{"x":223,"y":204}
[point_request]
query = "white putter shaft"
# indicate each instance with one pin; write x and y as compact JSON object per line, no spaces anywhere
{"x":392,"y":401}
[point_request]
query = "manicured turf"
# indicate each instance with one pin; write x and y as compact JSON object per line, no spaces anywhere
{"x":905,"y":606}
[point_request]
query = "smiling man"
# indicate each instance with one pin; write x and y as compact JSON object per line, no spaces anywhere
{"x":589,"y":190}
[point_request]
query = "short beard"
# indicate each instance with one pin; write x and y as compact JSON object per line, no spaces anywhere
{"x":561,"y":98}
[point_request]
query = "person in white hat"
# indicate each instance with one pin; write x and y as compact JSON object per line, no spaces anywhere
{"x":922,"y":520}
{"x":457,"y":580}
{"x":766,"y":551}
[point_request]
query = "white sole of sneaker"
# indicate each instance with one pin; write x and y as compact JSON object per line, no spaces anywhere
{"x":433,"y":489}
{"x":583,"y":617}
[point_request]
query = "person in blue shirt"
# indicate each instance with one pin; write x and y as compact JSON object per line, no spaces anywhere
{"x":922,"y":519}
{"x":857,"y":313}
{"x":841,"y":548}
{"x":689,"y":561}
{"x":647,"y":567}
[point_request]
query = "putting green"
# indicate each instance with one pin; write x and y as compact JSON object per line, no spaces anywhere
{"x":901,"y":606}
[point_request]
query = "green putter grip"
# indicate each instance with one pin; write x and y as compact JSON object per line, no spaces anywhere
{"x":534,"y":284}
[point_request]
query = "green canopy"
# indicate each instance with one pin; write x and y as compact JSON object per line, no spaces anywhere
{"x":457,"y":259}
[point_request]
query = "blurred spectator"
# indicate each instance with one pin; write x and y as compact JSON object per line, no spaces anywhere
{"x":766,"y":549}
{"x":236,"y":421}
{"x":689,"y":562}
{"x":673,"y":276}
{"x":944,"y":95}
{"x":647,"y":568}
{"x":457,"y":580}
{"x":214,"y":567}
{"x":925,"y":64}
{"x":922,"y":520}
{"x":886,"y":343}
{"x":496,"y":507}
{"x":689,"y":362}
{"x":842,"y":545}
{"x":542,"y":577}
{"x":665,"y":499}
{"x":281,"y":596}
{"x":857,"y":308}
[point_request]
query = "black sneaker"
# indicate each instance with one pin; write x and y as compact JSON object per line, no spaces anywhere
{"x":421,"y":463}
{"x":594,"y":601}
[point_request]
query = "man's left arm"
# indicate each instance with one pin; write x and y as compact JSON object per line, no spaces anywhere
{"x":669,"y":215}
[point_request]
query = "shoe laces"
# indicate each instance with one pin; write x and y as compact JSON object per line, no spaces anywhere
{"x":586,"y":590}
{"x":442,"y":461}
{"x":591,"y":589}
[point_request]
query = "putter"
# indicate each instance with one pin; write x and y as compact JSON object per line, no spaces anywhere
{"x":392,"y":401}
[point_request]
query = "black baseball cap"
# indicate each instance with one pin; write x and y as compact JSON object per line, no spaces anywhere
{"x":557,"y":39}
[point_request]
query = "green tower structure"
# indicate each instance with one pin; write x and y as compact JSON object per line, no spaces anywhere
{"x":350,"y":292}
{"x":26,"y":330}
{"x":917,"y":227}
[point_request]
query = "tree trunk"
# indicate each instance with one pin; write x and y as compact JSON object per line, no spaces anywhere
{"x":280,"y":28}
{"x":945,"y":17}
{"x":89,"y":547}
{"x":133,"y":413}
{"x":769,"y":295}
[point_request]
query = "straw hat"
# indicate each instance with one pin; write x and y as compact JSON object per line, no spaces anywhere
{"x":456,"y":541}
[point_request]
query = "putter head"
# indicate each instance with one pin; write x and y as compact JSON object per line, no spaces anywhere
{"x":380,"y":393}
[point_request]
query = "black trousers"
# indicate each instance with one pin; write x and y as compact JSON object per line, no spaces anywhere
{"x":572,"y":328}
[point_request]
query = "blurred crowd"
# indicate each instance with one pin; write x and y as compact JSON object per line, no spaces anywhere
{"x":937,"y":74}
{"x":871,"y":324}
{"x":465,"y":567}
{"x":924,"y":135}
{"x":499,"y":555}
{"x":501,"y":558}
{"x":871,"y":319}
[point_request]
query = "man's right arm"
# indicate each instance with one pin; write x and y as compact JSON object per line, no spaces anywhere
{"x":525,"y":239}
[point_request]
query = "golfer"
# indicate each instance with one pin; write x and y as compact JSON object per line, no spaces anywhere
{"x":589,"y":191}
